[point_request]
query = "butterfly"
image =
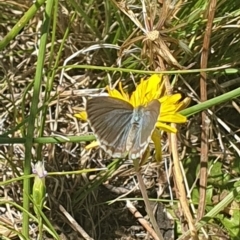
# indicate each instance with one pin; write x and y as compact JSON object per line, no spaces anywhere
{"x":120,"y":128}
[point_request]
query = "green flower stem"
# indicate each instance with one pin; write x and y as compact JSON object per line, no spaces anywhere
{"x":33,"y":115}
{"x":84,"y":171}
{"x":212,"y":102}
{"x":38,"y":194}
{"x":132,"y":70}
{"x":46,"y":140}
{"x":21,"y":23}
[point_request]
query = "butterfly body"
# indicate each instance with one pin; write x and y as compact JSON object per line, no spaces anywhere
{"x":135,"y":127}
{"x":120,"y":128}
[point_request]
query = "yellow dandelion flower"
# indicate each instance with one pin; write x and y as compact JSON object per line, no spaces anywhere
{"x":148,"y":90}
{"x":145,"y":94}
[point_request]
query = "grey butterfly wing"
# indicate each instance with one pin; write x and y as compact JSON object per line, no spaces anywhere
{"x":109,"y":118}
{"x":146,"y":127}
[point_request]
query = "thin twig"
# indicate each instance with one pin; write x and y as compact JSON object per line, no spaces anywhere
{"x":205,"y":119}
{"x":141,"y":219}
{"x":74,"y":224}
{"x":180,"y":185}
{"x":146,"y":201}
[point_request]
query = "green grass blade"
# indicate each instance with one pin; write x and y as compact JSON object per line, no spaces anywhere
{"x":33,"y":114}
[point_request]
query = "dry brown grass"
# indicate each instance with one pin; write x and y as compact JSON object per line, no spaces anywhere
{"x":84,"y":196}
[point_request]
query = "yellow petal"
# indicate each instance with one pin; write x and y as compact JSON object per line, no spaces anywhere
{"x":81,"y":115}
{"x":156,"y":137}
{"x":93,"y":144}
{"x":152,"y":85}
{"x":115,"y":93}
{"x":146,"y":91}
{"x":125,"y":95}
{"x":166,"y":127}
{"x":184,"y":104}
{"x":170,"y":105}
{"x":173,"y":118}
{"x":167,"y":108}
{"x":172,"y":99}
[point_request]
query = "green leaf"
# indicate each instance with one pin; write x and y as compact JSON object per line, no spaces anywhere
{"x":217,"y":176}
{"x":232,"y":223}
{"x":231,"y":70}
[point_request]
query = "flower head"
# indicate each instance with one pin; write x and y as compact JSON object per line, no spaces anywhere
{"x":148,"y":90}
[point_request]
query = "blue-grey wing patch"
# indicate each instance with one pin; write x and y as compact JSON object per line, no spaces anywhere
{"x":144,"y":131}
{"x":110,"y":120}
